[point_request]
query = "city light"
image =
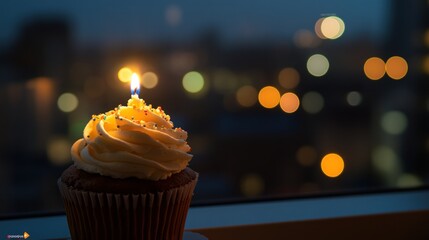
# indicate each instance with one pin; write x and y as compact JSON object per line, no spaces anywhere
{"x":354,"y":98}
{"x":149,"y":80}
{"x":305,"y":39}
{"x":289,"y":102}
{"x":58,"y":150}
{"x":332,"y":27}
{"x":425,"y":64}
{"x":306,"y":155}
{"x":193,"y":82}
{"x":173,"y":15}
{"x":374,"y":68}
{"x":289,"y":78}
{"x":396,"y":67}
{"x":317,"y":65}
{"x":318,"y":28}
{"x":124,"y":74}
{"x":224,"y":81}
{"x":386,"y":162}
{"x":247,"y":96}
{"x":269,"y":97}
{"x":408,"y":180}
{"x":394,"y":122}
{"x":252,"y":185}
{"x":332,"y":165}
{"x":67,"y":102}
{"x":313,"y":102}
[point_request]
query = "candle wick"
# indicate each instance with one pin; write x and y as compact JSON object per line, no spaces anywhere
{"x":135,"y":91}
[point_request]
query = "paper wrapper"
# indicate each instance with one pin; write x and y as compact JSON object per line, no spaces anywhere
{"x":92,"y":215}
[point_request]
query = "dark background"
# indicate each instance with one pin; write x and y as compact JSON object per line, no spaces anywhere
{"x":49,"y":48}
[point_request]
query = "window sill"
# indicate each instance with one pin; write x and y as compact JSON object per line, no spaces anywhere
{"x":393,"y":213}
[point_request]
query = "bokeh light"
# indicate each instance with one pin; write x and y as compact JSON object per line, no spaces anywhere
{"x":374,"y":68}
{"x":317,"y":65}
{"x":124,"y":74}
{"x":58,"y":150}
{"x":252,"y":185}
{"x":173,"y":15}
{"x":385,"y":160}
{"x":332,"y":165}
{"x":67,"y":102}
{"x":289,"y":102}
{"x":193,"y":82}
{"x":269,"y":97}
{"x":394,"y":122}
{"x":149,"y":80}
{"x":312,"y":102}
{"x":396,"y":67}
{"x":318,"y":28}
{"x":305,"y":39}
{"x":224,"y":81}
{"x":306,"y":155}
{"x":425,"y":64}
{"x":408,"y":180}
{"x":354,"y":98}
{"x":289,"y":78}
{"x":332,"y":27}
{"x":247,"y":96}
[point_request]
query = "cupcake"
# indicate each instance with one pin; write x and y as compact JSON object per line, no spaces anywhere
{"x":130,"y":178}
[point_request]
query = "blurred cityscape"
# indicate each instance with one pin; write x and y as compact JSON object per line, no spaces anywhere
{"x":308,"y":114}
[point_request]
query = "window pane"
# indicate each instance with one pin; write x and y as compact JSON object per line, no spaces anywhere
{"x":280,"y":98}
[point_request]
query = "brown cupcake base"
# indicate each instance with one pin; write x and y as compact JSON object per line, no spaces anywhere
{"x":106,"y":215}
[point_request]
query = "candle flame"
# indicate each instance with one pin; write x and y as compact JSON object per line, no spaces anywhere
{"x":135,"y":84}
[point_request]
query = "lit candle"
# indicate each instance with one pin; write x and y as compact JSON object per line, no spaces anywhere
{"x":135,"y":85}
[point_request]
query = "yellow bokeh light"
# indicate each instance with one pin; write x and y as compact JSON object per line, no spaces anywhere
{"x":149,"y":80}
{"x":252,"y":185}
{"x":396,"y":67}
{"x":425,"y":64}
{"x":332,"y":27}
{"x":289,"y":102}
{"x":332,"y":165}
{"x":289,"y":78}
{"x":67,"y":102}
{"x":247,"y":96}
{"x":374,"y":68}
{"x":58,"y":150}
{"x":317,"y":65}
{"x":124,"y":74}
{"x":193,"y":82}
{"x":269,"y":97}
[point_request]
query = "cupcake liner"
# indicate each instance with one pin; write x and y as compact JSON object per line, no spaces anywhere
{"x":93,"y":215}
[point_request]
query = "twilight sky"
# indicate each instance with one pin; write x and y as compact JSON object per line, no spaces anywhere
{"x":121,"y":22}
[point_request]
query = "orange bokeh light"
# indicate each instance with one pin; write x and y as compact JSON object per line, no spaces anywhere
{"x":396,"y":67}
{"x":332,"y":165}
{"x":289,"y":78}
{"x":269,"y":97}
{"x":289,"y":102}
{"x":374,"y":68}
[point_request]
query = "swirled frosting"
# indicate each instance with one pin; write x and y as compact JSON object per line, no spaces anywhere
{"x":136,"y":140}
